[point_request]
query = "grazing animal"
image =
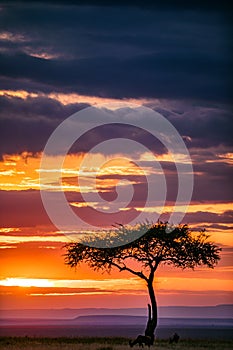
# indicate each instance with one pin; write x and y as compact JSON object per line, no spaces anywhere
{"x":174,"y":339}
{"x":140,"y":340}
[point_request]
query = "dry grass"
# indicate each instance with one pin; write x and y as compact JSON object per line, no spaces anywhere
{"x":28,"y":343}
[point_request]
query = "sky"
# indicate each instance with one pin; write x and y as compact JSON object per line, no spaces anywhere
{"x":58,"y":58}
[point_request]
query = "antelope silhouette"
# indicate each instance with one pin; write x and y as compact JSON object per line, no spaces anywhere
{"x":174,"y":339}
{"x":140,"y":340}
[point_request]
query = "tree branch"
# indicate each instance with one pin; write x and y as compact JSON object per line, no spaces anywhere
{"x":125,"y":268}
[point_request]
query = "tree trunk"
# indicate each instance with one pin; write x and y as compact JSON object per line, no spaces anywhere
{"x":152,"y":319}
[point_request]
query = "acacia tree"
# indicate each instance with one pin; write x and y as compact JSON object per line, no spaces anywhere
{"x":160,"y":244}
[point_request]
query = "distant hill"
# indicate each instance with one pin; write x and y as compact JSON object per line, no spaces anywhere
{"x":121,"y":320}
{"x":110,"y":320}
{"x":114,"y":321}
{"x":218,"y":311}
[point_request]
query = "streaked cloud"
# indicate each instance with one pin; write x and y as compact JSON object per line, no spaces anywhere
{"x":12,"y":37}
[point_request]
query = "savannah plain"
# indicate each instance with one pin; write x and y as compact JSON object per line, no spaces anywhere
{"x":105,"y":343}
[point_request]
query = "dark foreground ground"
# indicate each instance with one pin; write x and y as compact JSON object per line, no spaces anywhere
{"x":104,"y":343}
{"x":185,"y":331}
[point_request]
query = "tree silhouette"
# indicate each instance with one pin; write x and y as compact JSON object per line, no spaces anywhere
{"x":161,"y":244}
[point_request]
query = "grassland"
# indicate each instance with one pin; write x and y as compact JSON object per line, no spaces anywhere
{"x":30,"y":343}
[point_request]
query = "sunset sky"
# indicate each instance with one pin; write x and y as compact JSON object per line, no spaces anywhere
{"x":57,"y":59}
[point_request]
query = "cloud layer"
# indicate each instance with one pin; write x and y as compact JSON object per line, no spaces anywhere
{"x":116,"y":52}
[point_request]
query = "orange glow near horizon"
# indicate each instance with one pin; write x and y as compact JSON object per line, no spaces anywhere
{"x":26,"y":282}
{"x":116,"y":284}
{"x":31,"y":256}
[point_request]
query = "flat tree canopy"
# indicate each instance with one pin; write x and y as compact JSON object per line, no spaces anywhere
{"x":161,"y":244}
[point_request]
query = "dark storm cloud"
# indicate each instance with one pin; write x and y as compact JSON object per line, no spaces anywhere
{"x":119,"y":52}
{"x":212,"y":181}
{"x":149,"y":75}
{"x":25,"y":125}
{"x":36,"y":108}
{"x":213,"y":184}
{"x":207,"y":126}
{"x":24,"y":135}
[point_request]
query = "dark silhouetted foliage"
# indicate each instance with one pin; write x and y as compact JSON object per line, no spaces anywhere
{"x":161,"y":244}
